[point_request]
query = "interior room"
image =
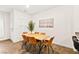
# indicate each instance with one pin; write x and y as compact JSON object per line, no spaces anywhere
{"x":39,"y":29}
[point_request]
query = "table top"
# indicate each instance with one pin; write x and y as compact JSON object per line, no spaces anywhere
{"x":38,"y":36}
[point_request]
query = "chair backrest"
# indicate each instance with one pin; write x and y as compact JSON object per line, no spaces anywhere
{"x":48,"y":42}
{"x":39,"y":33}
{"x":36,"y":32}
{"x":25,"y":32}
{"x":38,"y":40}
{"x":42,"y":33}
{"x":51,"y":39}
{"x":74,"y":38}
{"x":26,"y":38}
{"x":32,"y":40}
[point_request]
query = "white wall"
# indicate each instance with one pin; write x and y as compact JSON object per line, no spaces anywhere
{"x":76,"y":19}
{"x":19,"y":22}
{"x":1,"y":25}
{"x":7,"y":26}
{"x":62,"y":30}
{"x":4,"y":16}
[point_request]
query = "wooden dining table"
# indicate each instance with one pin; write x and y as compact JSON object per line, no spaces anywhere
{"x":38,"y":36}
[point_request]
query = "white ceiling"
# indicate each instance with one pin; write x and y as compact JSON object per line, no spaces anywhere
{"x":31,"y":10}
{"x":39,"y":8}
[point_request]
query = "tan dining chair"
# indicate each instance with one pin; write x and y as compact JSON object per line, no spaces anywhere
{"x":32,"y":42}
{"x":49,"y":42}
{"x":38,"y":45}
{"x":35,"y":45}
{"x":47,"y":46}
{"x":25,"y":42}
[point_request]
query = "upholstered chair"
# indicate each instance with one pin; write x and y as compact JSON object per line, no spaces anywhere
{"x":75,"y":43}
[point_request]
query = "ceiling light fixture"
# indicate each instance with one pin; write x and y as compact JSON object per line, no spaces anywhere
{"x":27,"y":6}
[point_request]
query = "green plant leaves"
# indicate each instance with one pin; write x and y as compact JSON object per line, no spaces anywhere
{"x":31,"y":26}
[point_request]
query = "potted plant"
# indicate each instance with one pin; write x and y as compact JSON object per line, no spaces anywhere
{"x":31,"y":25}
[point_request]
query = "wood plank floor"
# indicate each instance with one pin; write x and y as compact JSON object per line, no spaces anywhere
{"x":8,"y":47}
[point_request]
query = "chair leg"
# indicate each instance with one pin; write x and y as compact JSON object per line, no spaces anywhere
{"x":28,"y":47}
{"x":41,"y":49}
{"x":44,"y":50}
{"x":32,"y":49}
{"x":37,"y":49}
{"x":23,"y":50}
{"x":52,"y":49}
{"x":23,"y":46}
{"x":48,"y":50}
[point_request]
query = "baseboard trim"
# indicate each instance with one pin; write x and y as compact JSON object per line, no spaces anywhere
{"x":6,"y":40}
{"x":64,"y":46}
